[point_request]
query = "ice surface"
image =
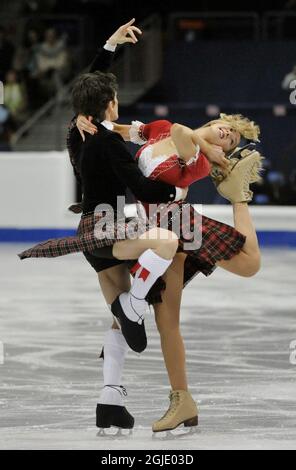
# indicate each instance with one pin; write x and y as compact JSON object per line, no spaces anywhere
{"x":237,"y":333}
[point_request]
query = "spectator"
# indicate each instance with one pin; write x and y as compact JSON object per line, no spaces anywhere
{"x":25,"y":63}
{"x":35,"y":7}
{"x":33,"y":46}
{"x":288,"y":191}
{"x":7,"y":127}
{"x":53,"y":65}
{"x":6,"y":53}
{"x":288,"y":79}
{"x":15,"y":97}
{"x":25,"y":57}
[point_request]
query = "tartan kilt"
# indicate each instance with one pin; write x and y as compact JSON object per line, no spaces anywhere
{"x":94,"y":231}
{"x":217,"y":241}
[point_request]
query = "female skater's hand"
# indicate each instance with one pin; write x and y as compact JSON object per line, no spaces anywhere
{"x":124,"y":34}
{"x":215,"y":154}
{"x":84,"y":124}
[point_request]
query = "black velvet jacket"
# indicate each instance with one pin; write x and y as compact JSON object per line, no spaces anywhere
{"x":107,"y":169}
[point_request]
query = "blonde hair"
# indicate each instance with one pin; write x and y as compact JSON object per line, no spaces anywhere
{"x":248,"y":129}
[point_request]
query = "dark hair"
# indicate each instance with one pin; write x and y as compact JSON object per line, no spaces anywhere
{"x":92,"y":92}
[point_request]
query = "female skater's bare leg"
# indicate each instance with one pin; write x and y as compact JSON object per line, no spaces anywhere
{"x":167,"y":316}
{"x":182,"y":407}
{"x":247,"y":262}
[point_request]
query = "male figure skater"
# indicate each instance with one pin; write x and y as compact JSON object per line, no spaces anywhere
{"x":106,"y":169}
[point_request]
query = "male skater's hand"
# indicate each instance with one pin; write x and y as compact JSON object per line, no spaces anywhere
{"x":124,"y":33}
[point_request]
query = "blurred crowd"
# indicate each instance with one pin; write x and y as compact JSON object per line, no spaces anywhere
{"x":34,"y":67}
{"x":31,"y":72}
{"x":277,"y":187}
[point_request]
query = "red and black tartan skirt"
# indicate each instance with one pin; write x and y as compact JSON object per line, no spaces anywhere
{"x":89,"y":237}
{"x":219,"y":241}
{"x":215,"y":241}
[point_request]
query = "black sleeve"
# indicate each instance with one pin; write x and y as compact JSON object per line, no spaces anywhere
{"x":74,"y":142}
{"x":127,"y":170}
{"x":102,"y":61}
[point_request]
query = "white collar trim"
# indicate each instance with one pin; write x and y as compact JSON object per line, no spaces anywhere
{"x":108,"y":124}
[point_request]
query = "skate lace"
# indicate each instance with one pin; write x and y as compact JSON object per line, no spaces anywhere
{"x":116,"y":387}
{"x":174,"y":403}
{"x":141,"y":317}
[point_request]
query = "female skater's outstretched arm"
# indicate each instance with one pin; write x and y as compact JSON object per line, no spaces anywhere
{"x":185,"y":139}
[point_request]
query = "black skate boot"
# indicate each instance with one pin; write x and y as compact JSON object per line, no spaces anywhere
{"x":133,"y":331}
{"x":114,"y":415}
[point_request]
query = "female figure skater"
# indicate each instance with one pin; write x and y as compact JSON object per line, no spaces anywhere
{"x":169,"y":153}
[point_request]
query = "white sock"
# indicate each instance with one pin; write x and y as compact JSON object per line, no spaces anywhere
{"x":148,"y":269}
{"x":115,"y":349}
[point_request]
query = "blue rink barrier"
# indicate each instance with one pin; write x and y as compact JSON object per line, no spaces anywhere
{"x":29,"y":235}
{"x":276,"y":238}
{"x":267,"y":238}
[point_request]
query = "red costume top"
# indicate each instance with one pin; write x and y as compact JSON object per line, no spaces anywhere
{"x":168,"y":168}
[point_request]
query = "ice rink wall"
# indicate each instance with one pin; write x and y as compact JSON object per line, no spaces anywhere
{"x":37,"y":188}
